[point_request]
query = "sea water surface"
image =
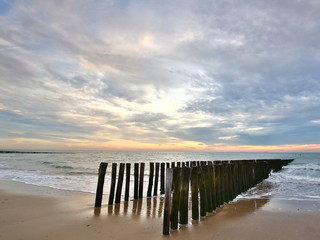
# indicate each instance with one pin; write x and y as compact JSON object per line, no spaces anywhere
{"x":78,"y":170}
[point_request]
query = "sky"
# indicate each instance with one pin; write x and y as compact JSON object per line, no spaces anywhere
{"x":231,"y":75}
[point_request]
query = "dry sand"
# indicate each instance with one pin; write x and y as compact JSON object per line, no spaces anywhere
{"x":28,"y":212}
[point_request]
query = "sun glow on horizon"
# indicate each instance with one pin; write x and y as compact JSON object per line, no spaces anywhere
{"x":76,"y":144}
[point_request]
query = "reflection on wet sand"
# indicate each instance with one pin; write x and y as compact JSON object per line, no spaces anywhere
{"x":97,"y":211}
{"x":153,"y":208}
{"x":247,"y":206}
{"x":125,"y":208}
{"x":149,"y":207}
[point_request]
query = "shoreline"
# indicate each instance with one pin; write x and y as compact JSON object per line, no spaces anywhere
{"x":31,"y":212}
{"x":27,"y":188}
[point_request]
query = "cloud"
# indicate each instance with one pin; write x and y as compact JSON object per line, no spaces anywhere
{"x":228,"y":72}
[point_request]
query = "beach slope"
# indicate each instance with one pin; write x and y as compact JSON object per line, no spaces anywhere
{"x":71,"y":216}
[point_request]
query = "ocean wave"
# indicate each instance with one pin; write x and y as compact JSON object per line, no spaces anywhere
{"x":253,"y":196}
{"x":62,"y":167}
{"x":82,"y":173}
{"x":84,"y":183}
{"x":313,"y":197}
{"x":307,"y":167}
{"x":281,"y":191}
{"x":47,"y":163}
{"x":290,"y":178}
{"x":56,"y":166}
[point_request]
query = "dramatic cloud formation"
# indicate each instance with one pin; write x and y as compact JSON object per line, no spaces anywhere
{"x":212,"y":75}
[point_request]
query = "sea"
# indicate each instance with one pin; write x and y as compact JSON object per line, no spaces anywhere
{"x":78,"y":170}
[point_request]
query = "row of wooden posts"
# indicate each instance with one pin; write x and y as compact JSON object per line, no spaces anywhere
{"x":212,"y":185}
{"x":139,"y":172}
{"x":156,"y":174}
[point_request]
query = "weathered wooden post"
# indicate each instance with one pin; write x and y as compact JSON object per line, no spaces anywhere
{"x":156,"y":180}
{"x":99,"y":193}
{"x":254,"y":170}
{"x":176,"y":183}
{"x":244,"y":175}
{"x":233,"y":180}
{"x":257,"y":171}
{"x":151,"y":170}
{"x":251,"y":172}
{"x":126,"y":195}
{"x":211,"y":184}
{"x":184,"y":195}
{"x":238,"y":177}
{"x":203,"y":194}
{"x":248,"y":175}
{"x":262,"y":170}
{"x":223,"y":183}
{"x":241,"y":176}
{"x":142,"y":165}
{"x":167,"y":203}
{"x":195,"y":193}
{"x":229,"y":181}
{"x":217,"y":179}
{"x":136,"y":181}
{"x":266,"y":166}
{"x":213,"y":189}
{"x":120,"y":181}
{"x":113,"y":183}
{"x":207,"y":184}
{"x":162,"y":177}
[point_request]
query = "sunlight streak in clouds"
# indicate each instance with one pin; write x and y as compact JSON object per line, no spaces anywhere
{"x":236,"y":76}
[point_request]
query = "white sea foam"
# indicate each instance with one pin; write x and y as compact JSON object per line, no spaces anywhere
{"x":308,"y":166}
{"x":62,"y":182}
{"x":289,"y":178}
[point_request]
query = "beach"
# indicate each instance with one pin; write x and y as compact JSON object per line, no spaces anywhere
{"x":212,"y":105}
{"x":33,"y":212}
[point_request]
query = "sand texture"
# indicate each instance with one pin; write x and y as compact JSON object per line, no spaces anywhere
{"x":32,"y":215}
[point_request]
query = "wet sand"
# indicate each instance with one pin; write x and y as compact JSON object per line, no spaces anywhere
{"x":29,"y":212}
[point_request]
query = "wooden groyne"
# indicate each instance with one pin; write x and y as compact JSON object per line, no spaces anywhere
{"x":212,"y":185}
{"x":239,"y":171}
{"x":156,"y":184}
{"x":204,"y":185}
